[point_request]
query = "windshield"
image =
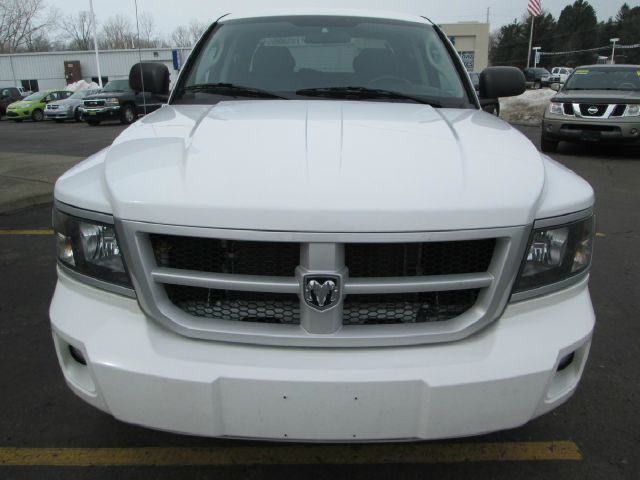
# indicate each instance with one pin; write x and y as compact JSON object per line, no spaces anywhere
{"x":36,"y":96}
{"x":287,"y":56}
{"x":611,"y":78}
{"x":117,"y":86}
{"x":83,"y":93}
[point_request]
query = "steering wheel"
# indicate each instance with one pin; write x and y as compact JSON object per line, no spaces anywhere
{"x":390,"y":81}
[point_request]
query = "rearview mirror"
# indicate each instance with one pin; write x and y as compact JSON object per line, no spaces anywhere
{"x":154,"y":77}
{"x":498,"y":82}
{"x":555,"y":86}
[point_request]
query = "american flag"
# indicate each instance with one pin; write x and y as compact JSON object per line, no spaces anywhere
{"x":535,"y":7}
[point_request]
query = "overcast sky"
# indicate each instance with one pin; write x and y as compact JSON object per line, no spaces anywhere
{"x":170,"y":13}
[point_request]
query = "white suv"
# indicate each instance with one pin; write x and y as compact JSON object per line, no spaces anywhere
{"x":323,"y":237}
{"x":560,"y":74}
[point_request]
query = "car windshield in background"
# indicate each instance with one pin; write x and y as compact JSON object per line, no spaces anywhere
{"x":83,"y":93}
{"x":117,"y":86}
{"x":609,"y":78}
{"x":316,"y":57}
{"x":35,"y":96}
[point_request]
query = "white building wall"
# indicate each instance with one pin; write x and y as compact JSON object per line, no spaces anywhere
{"x":48,"y":68}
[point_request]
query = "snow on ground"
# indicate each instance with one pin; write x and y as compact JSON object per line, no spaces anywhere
{"x":526,"y":109}
{"x":81,"y":85}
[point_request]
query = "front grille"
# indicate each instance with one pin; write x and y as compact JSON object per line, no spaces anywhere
{"x":568,"y":109}
{"x":618,"y":111}
{"x":237,"y":306}
{"x":226,"y":256}
{"x":94,"y":103}
{"x":584,"y":110}
{"x":407,"y":307}
{"x":417,"y":259}
{"x":591,"y":128}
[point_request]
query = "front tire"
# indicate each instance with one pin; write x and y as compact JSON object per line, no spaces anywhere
{"x":127,"y":114}
{"x":548,"y":145}
{"x":78,"y":116}
{"x":37,"y":115}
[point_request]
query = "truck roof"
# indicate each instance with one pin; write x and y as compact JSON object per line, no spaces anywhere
{"x":340,"y":12}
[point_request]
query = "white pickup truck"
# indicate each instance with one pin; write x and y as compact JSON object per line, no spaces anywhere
{"x":323,"y":237}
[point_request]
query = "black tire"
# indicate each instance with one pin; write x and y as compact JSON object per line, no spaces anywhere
{"x":93,"y":123}
{"x":548,"y":145}
{"x":37,"y":115}
{"x":127,"y":114}
{"x":78,"y":116}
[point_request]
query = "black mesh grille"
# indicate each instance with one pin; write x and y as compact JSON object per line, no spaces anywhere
{"x":226,"y":256}
{"x":568,"y":109}
{"x":236,"y":306}
{"x":407,"y":307}
{"x":415,"y":259}
{"x":618,"y":111}
{"x":584,"y":110}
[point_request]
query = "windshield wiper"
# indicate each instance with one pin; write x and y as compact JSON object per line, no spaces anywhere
{"x":232,"y":90}
{"x":362,"y":92}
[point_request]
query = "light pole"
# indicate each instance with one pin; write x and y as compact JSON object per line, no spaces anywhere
{"x":613,"y":49}
{"x":95,"y":42}
{"x":536,"y":56}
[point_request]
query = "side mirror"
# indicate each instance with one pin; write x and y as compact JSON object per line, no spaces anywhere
{"x":555,"y":86}
{"x":153,"y":76}
{"x":501,"y":82}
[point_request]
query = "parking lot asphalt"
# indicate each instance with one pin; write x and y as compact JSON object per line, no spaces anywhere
{"x":596,"y":435}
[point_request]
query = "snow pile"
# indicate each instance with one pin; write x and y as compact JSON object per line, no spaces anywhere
{"x":81,"y":85}
{"x":526,"y":109}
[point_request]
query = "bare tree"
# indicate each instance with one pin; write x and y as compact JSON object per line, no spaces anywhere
{"x":149,"y":37}
{"x":24,"y":24}
{"x":196,"y":29}
{"x":117,"y":33}
{"x":181,"y":37}
{"x":77,"y":31}
{"x":188,"y":35}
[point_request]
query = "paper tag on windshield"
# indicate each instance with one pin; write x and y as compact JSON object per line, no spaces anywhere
{"x":582,"y":72}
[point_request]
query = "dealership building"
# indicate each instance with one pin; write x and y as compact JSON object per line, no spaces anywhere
{"x":41,"y":71}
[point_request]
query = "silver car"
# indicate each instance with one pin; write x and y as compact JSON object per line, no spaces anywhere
{"x":67,"y":109}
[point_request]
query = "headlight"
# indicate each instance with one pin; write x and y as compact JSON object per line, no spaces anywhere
{"x":632,"y":110}
{"x":89,"y":248}
{"x":112,"y":102}
{"x":556,"y":108}
{"x":556,"y":254}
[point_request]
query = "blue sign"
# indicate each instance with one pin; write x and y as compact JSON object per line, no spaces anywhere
{"x":175,"y":55}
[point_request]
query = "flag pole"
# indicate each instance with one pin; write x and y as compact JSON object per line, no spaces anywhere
{"x":530,"y":41}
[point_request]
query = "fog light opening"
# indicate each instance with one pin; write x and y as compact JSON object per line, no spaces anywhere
{"x":77,"y":355}
{"x":566,"y":361}
{"x":634,"y":131}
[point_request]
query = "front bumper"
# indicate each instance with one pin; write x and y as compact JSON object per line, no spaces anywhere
{"x":101,"y":113}
{"x":499,"y":378}
{"x":21,"y":114}
{"x":58,"y":114}
{"x":581,"y":129}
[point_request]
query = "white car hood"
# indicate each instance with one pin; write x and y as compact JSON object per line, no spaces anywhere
{"x":318,"y":166}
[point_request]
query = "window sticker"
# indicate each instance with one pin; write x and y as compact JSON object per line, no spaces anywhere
{"x":582,"y":72}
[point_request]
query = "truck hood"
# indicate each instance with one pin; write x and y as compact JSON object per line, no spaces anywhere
{"x":598,"y":96}
{"x":318,"y":165}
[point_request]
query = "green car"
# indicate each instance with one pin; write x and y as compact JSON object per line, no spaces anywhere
{"x":33,"y":106}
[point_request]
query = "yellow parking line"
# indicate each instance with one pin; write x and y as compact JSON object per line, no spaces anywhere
{"x":26,"y":232}
{"x":419,"y":453}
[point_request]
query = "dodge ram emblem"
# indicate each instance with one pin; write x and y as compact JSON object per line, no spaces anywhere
{"x":321,"y":292}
